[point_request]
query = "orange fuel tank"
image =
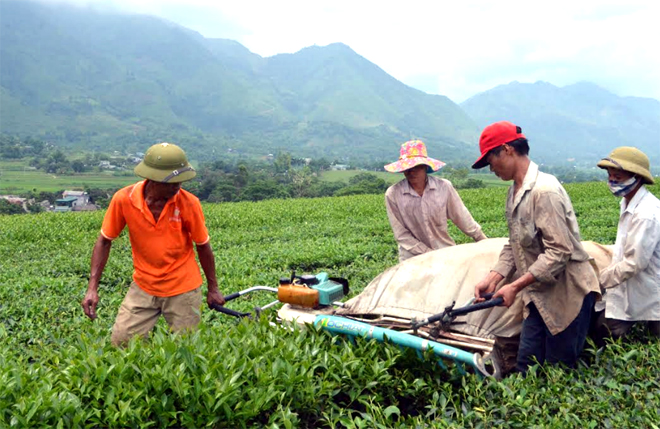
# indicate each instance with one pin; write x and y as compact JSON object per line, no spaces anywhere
{"x":298,"y":295}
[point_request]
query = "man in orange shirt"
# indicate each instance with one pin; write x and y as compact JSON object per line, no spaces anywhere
{"x":163,"y":222}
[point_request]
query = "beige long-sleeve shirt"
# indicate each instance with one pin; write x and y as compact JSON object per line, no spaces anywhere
{"x":544,"y":240}
{"x":419,"y":222}
{"x":634,"y":276}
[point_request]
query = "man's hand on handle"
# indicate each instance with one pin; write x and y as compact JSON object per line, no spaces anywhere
{"x":508,"y":293}
{"x":487,"y":285}
{"x":214,"y":297}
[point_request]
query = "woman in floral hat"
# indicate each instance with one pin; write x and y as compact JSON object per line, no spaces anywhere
{"x":418,"y":206}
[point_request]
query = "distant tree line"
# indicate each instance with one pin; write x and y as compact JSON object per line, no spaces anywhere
{"x":45,"y":156}
{"x":57,"y":162}
{"x":284,"y":177}
{"x":12,"y":147}
{"x":459,"y":178}
{"x":573,"y":173}
{"x":229,"y":180}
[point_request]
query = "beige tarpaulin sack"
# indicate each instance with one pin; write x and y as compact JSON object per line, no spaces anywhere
{"x":424,"y":285}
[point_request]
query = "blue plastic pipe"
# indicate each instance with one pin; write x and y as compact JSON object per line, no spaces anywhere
{"x":341,"y":325}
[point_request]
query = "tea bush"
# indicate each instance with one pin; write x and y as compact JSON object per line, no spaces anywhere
{"x":57,"y":368}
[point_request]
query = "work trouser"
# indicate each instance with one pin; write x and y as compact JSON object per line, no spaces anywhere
{"x":616,"y":328}
{"x":140,"y":311}
{"x":537,"y":344}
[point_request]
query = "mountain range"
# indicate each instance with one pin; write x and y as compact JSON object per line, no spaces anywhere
{"x":581,"y":121}
{"x":93,"y":80}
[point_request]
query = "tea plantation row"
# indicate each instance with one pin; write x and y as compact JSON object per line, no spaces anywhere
{"x":57,"y":368}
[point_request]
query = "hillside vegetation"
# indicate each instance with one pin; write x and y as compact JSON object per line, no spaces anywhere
{"x":94,"y":80}
{"x":58,"y":369}
{"x":580,"y":122}
{"x":89,"y":80}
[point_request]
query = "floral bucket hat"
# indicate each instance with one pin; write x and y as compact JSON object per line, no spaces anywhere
{"x":413,"y":153}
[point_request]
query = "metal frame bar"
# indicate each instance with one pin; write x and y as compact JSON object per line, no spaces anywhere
{"x":451,"y":342}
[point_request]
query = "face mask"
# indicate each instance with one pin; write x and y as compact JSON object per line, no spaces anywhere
{"x":621,"y":189}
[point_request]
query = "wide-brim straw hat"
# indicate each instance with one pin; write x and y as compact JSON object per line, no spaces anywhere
{"x":165,"y":163}
{"x":412,"y":154}
{"x":629,"y":159}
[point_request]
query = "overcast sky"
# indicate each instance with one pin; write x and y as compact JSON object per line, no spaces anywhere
{"x":456,"y":48}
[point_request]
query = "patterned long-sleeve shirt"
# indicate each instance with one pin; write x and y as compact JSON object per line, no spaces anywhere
{"x":420,"y":222}
{"x":544,"y":240}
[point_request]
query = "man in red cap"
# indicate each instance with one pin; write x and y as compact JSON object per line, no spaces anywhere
{"x":544,"y":261}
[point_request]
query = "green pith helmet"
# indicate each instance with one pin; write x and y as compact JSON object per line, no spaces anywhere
{"x":165,"y":163}
{"x":629,"y":159}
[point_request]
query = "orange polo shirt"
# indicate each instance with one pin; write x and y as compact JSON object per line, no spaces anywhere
{"x":163,"y":256}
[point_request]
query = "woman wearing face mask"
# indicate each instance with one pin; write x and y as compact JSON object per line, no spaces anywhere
{"x":632,"y":281}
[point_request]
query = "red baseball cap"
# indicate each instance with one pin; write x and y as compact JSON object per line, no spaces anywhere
{"x":496,"y":135}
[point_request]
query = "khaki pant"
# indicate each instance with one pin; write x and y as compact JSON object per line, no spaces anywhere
{"x":140,"y":311}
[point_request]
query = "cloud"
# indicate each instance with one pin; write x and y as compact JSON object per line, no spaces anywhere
{"x":446,"y":47}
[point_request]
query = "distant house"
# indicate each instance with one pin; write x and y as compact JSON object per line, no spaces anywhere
{"x":340,"y":167}
{"x":65,"y":204}
{"x":74,"y":201}
{"x":82,"y":197}
{"x":105,"y":165}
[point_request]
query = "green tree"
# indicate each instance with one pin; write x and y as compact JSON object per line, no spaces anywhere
{"x":57,"y":162}
{"x":263,"y":190}
{"x":325,"y":189}
{"x":35,"y":208}
{"x":192,"y":186}
{"x":10,"y":147}
{"x":282,"y":163}
{"x":301,"y":181}
{"x":78,"y":166}
{"x":242,"y":176}
{"x":36,"y":146}
{"x":223,"y":192}
{"x":8,"y":208}
{"x":363,"y":183}
{"x":457,"y":175}
{"x":321,"y":164}
{"x":471,"y":184}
